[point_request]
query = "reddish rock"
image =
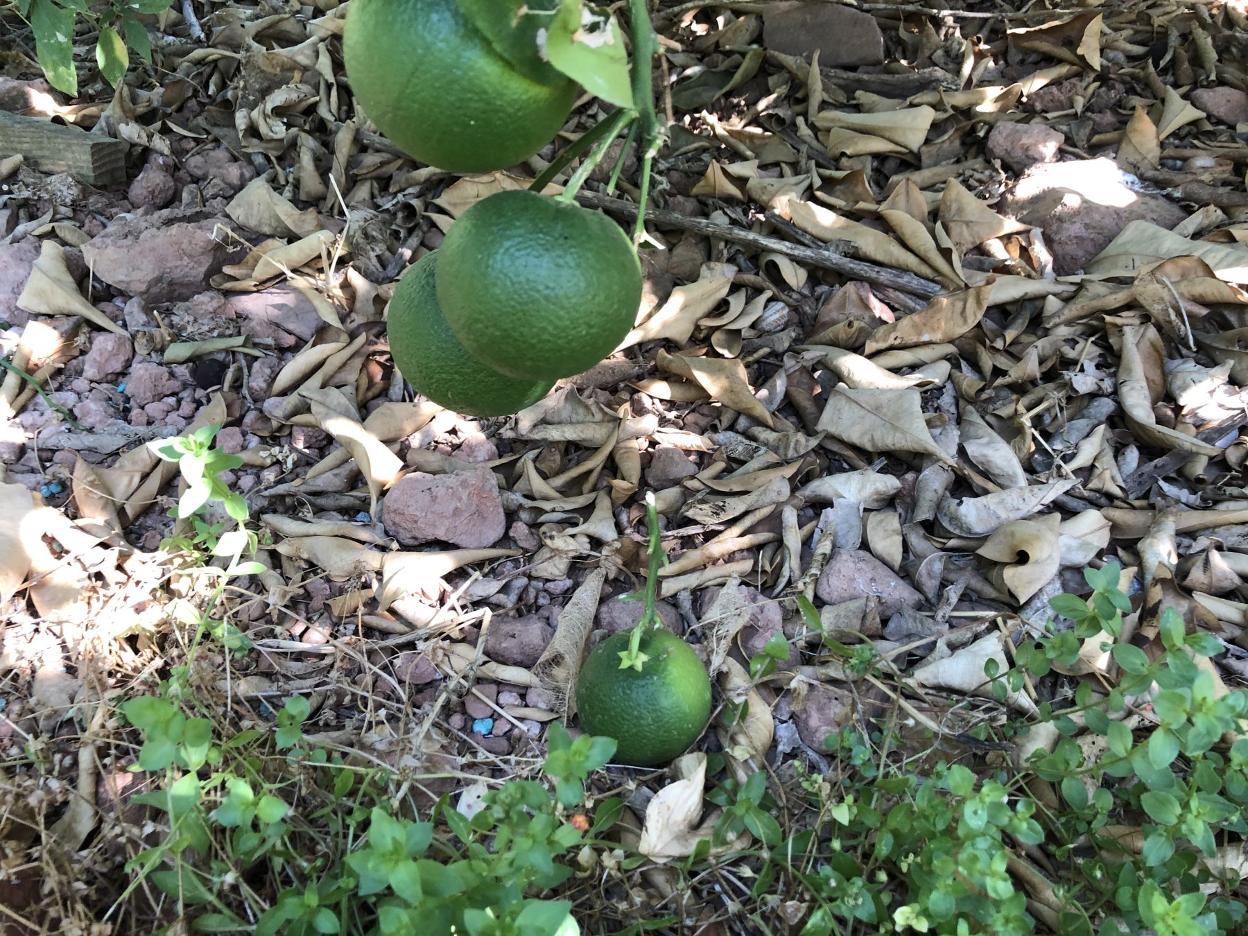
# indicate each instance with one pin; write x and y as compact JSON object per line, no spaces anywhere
{"x":110,"y":354}
{"x":823,"y":712}
{"x":844,"y":37}
{"x":18,"y":97}
{"x":1056,"y":97}
{"x":523,"y":535}
{"x":618,"y":614}
{"x":148,"y":382}
{"x":281,"y":314}
{"x":162,"y":257}
{"x":1021,"y":146}
{"x":220,"y":165}
{"x":1081,"y":206}
{"x":260,"y":380}
{"x":854,"y":573}
{"x":153,"y":188}
{"x":15,"y":263}
{"x":1229,"y":105}
{"x":231,"y":441}
{"x":668,"y":465}
{"x":518,"y":641}
{"x":475,"y":706}
{"x":463,"y":508}
{"x":412,"y":667}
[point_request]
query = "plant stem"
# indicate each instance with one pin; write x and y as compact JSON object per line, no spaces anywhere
{"x":633,"y":657}
{"x":644,"y":49}
{"x":617,"y":122}
{"x":570,"y":152}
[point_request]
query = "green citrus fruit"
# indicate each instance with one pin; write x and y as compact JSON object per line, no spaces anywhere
{"x":538,"y":288}
{"x":429,"y":355}
{"x":439,"y":89}
{"x":653,"y":715}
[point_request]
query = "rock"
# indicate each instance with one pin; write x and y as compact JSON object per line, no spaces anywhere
{"x":15,"y":263}
{"x":1229,"y":105}
{"x":148,"y":382}
{"x":824,"y":711}
{"x":221,"y":166}
{"x":413,"y":668}
{"x":308,"y":437}
{"x":110,"y":354}
{"x":518,"y":641}
{"x":475,"y":706}
{"x":280,"y":314}
{"x":854,"y":573}
{"x":668,"y":465}
{"x":231,"y":441}
{"x":617,"y":614}
{"x":540,"y":698}
{"x":157,"y":412}
{"x":153,"y":188}
{"x":260,"y":380}
{"x":1056,"y":97}
{"x":476,"y":448}
{"x":162,"y":257}
{"x":18,"y":97}
{"x":463,"y":508}
{"x":523,"y":535}
{"x":1082,"y":205}
{"x":1021,"y":146}
{"x":844,"y":37}
{"x":766,"y":620}
{"x":94,"y":413}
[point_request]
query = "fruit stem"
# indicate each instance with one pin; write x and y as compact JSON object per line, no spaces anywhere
{"x":570,"y":152}
{"x":644,"y":49}
{"x":633,"y":658}
{"x":615,"y":124}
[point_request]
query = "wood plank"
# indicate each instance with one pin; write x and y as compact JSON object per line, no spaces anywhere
{"x":92,"y":158}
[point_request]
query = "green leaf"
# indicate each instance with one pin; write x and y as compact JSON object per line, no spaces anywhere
{"x":1131,"y":658}
{"x":54,"y":44}
{"x":512,"y":28}
{"x":111,"y":55}
{"x":1069,"y":606}
{"x":137,"y":38}
{"x":1162,"y":808}
{"x":196,"y":740}
{"x":590,"y":50}
{"x":271,"y":809}
{"x":1119,"y":738}
{"x":546,"y":917}
{"x":405,"y":880}
{"x":1171,"y":706}
{"x":1163,"y":748}
{"x":960,"y":781}
{"x":1157,"y":849}
{"x":218,"y":923}
{"x":1075,"y":792}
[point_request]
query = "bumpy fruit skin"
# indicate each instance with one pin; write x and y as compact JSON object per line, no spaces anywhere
{"x":429,"y":355}
{"x":538,"y":288}
{"x":433,"y":84}
{"x":654,"y":715}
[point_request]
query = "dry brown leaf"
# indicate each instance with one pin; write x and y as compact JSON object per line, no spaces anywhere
{"x":747,"y":739}
{"x":718,"y":183}
{"x":1142,"y":355}
{"x":335,"y":415}
{"x":17,"y":506}
{"x":871,"y":489}
{"x":1031,"y":554}
{"x":871,"y":244}
{"x":964,"y":672}
{"x":879,"y":421}
{"x":861,"y":373}
{"x":968,"y":221}
{"x":907,"y":127}
{"x":884,"y":537}
{"x":259,"y":208}
{"x":678,"y":316}
{"x":671,"y":828}
{"x":724,"y":379}
{"x":991,"y":453}
{"x":1140,"y":147}
{"x":1176,"y":113}
{"x":1141,"y":245}
{"x":946,"y":318}
{"x":983,"y":516}
{"x":51,"y":290}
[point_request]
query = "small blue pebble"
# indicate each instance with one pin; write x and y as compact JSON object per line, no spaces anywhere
{"x":363,"y":517}
{"x":50,"y":489}
{"x":121,"y":387}
{"x":4,"y":703}
{"x":266,"y":710}
{"x":482,"y":726}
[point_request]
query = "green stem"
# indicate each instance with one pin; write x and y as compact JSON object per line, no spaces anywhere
{"x":65,"y":414}
{"x":564,"y":158}
{"x":645,"y":47}
{"x":633,"y":658}
{"x":619,"y":120}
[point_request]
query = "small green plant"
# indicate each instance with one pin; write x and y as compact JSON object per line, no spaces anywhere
{"x":229,"y":813}
{"x":118,"y":29}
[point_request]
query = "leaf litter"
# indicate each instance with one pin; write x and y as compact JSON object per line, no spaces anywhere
{"x":969,"y":322}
